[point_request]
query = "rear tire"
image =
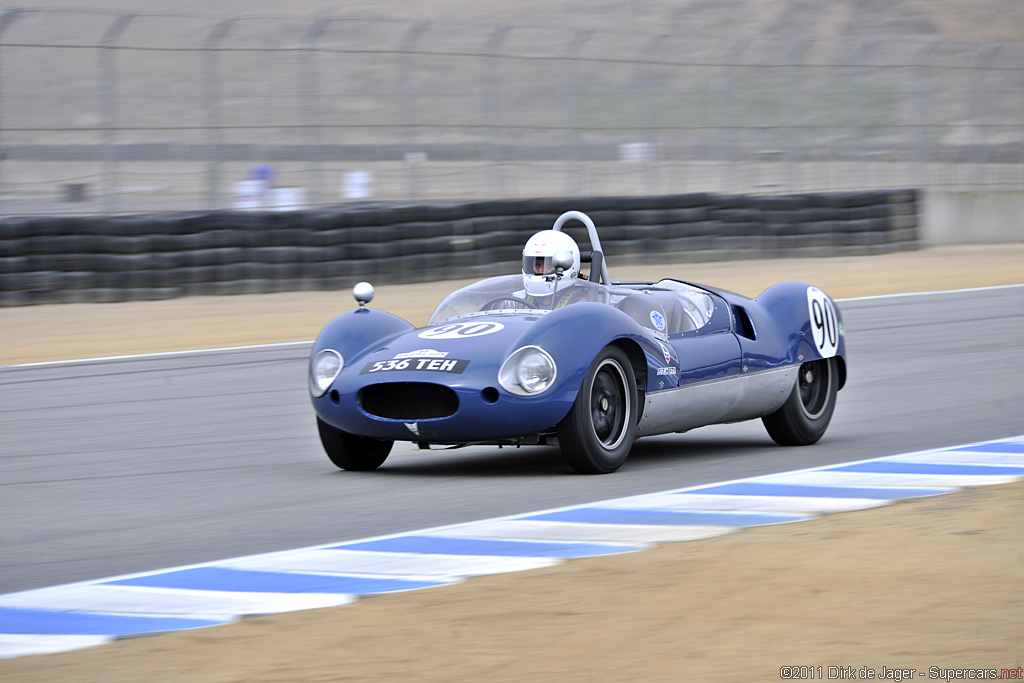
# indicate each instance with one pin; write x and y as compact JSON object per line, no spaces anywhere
{"x":350,"y":452}
{"x":805,"y":415}
{"x":597,"y":434}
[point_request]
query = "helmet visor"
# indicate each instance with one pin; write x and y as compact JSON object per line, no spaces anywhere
{"x":538,"y":265}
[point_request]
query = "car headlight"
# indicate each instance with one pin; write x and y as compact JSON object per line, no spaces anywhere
{"x":529,"y":371}
{"x":323,"y":370}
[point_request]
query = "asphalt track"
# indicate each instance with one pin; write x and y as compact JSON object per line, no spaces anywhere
{"x":126,"y":465}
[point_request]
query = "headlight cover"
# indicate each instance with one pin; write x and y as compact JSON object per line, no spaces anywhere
{"x":323,"y":370}
{"x":528,"y":371}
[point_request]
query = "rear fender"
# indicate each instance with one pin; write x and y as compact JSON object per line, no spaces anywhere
{"x":797,"y":322}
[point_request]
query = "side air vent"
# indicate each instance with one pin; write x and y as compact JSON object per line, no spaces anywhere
{"x":408,"y":401}
{"x":744,"y":327}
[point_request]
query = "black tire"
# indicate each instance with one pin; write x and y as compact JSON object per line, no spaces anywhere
{"x":597,"y":434}
{"x":805,"y":415}
{"x":350,"y":452}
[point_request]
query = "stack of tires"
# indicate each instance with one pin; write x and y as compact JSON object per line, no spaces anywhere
{"x":120,"y":258}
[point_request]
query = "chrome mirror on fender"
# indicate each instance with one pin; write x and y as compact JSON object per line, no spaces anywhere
{"x":363,"y":293}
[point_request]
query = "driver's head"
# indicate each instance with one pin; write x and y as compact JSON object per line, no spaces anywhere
{"x":539,"y":277}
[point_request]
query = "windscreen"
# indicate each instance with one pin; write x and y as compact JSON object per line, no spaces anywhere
{"x":507,"y":295}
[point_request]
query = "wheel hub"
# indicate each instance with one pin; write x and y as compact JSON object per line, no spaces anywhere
{"x":815,"y":378}
{"x":609,"y":405}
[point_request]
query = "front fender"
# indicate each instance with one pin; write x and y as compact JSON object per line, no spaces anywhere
{"x":575,"y":334}
{"x":353,"y":333}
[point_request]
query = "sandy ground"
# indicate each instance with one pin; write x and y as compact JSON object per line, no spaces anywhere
{"x":60,"y":332}
{"x":932,"y":583}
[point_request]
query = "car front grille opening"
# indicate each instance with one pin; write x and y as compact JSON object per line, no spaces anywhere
{"x":408,"y":401}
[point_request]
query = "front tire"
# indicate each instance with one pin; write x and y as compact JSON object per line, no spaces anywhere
{"x":597,"y":434}
{"x":350,"y":452}
{"x":805,"y":415}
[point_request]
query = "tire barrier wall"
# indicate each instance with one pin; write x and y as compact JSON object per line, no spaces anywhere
{"x":159,"y":256}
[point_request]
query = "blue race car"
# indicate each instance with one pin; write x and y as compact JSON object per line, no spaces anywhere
{"x":551,"y":356}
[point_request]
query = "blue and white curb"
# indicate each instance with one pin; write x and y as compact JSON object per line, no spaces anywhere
{"x":90,"y":613}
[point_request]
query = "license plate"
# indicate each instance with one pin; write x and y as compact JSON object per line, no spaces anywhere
{"x":450,"y":365}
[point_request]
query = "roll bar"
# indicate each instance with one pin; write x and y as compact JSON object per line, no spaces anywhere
{"x":595,"y":241}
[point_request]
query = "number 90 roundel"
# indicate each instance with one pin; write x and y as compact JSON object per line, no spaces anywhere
{"x":824,"y":322}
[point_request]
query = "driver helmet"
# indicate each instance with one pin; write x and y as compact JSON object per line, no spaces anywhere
{"x":539,"y":277}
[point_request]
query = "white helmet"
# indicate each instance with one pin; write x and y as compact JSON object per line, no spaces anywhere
{"x":539,"y":275}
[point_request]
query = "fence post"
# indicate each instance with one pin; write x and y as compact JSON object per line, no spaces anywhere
{"x":572,"y":142}
{"x":314,"y":152}
{"x":1019,"y":76}
{"x":857,"y":119}
{"x":919,"y":62}
{"x":791,"y":111}
{"x":979,"y":149}
{"x":7,"y":16}
{"x":211,"y":91}
{"x":1005,"y":75}
{"x":407,"y":94}
{"x":107,"y":68}
{"x":727,"y":112}
{"x":490,"y":145}
{"x":644,"y":111}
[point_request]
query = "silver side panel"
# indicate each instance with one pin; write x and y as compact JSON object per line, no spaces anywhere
{"x":733,"y":399}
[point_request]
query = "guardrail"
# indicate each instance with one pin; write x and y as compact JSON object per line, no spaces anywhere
{"x":160,"y":256}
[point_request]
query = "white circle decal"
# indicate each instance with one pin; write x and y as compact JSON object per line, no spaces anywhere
{"x":461,"y":330}
{"x":824,"y":322}
{"x":658,"y":320}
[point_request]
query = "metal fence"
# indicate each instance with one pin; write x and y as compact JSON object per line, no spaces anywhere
{"x":102,"y":112}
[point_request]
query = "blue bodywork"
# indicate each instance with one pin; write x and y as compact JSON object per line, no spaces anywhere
{"x":669,"y":346}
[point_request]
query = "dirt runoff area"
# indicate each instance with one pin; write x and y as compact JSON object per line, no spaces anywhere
{"x":928,"y":590}
{"x":59,"y":332}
